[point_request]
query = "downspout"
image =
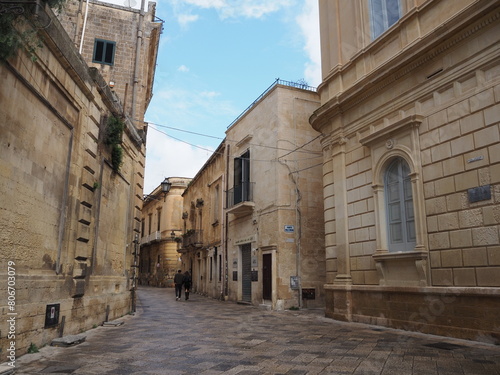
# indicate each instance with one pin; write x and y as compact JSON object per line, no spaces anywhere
{"x":223,"y":238}
{"x":140,"y":30}
{"x":84,"y":25}
{"x":226,"y":266}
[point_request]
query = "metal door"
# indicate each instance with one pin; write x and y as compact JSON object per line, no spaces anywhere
{"x":267,"y":276}
{"x":246,"y":273}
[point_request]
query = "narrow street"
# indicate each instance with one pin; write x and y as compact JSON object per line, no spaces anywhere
{"x":205,"y":336}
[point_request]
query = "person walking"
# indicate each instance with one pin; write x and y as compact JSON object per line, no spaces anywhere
{"x":178,"y":281}
{"x":187,"y":284}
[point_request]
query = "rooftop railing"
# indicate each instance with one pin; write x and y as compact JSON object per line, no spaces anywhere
{"x":299,"y":85}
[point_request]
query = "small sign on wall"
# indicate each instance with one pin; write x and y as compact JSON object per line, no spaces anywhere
{"x":294,"y":282}
{"x":289,"y":228}
{"x":254,"y":275}
{"x":481,"y":193}
{"x":52,"y":315}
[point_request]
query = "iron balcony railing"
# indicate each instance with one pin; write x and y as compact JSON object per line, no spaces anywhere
{"x":299,"y":85}
{"x":240,"y":193}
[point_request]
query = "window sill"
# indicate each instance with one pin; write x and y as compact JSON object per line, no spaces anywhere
{"x":402,"y":269}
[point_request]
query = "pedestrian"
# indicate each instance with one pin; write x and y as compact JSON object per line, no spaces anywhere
{"x":178,"y":281}
{"x":187,"y":284}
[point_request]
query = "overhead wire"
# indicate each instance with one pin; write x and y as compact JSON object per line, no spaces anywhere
{"x":234,"y":141}
{"x":220,"y":153}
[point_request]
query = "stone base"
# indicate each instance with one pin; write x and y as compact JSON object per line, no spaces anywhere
{"x":465,"y":313}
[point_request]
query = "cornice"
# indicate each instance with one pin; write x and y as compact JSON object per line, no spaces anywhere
{"x":424,"y":50}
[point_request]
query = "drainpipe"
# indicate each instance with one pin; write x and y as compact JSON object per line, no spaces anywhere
{"x":226,"y":221}
{"x":140,"y":30}
{"x":84,"y":25}
{"x":222,"y":232}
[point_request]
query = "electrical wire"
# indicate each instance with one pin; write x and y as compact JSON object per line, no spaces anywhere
{"x":233,"y":141}
{"x":220,"y":153}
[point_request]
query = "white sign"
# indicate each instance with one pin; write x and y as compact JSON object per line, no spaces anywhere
{"x":289,"y":229}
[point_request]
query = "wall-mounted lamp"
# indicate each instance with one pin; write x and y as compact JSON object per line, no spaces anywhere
{"x":165,"y":187}
{"x":111,"y":84}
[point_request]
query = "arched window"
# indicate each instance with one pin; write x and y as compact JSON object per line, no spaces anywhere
{"x":399,"y":207}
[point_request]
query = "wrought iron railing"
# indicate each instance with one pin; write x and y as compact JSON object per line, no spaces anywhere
{"x":240,"y":193}
{"x":299,"y":85}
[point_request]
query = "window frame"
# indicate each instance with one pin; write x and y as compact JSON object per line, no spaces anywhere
{"x":106,"y":44}
{"x":405,"y":212}
{"x":377,"y":8}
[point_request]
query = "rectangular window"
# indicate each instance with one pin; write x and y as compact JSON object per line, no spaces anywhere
{"x":242,"y":178}
{"x":104,"y":52}
{"x":216,"y":215}
{"x":158,"y":226}
{"x":383,"y":14}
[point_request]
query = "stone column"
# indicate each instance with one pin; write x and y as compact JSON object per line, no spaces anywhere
{"x":341,"y":215}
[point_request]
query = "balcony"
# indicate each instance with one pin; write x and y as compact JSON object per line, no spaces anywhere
{"x":153,"y":237}
{"x":240,"y":199}
{"x":192,"y":239}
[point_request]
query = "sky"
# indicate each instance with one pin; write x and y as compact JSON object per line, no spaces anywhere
{"x":215,"y":58}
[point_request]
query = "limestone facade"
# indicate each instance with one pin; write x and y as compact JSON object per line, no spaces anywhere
{"x":161,"y":228}
{"x":253,"y":214}
{"x":411,"y":174}
{"x":203,"y":224}
{"x":275,"y":232}
{"x":69,"y":217}
{"x":130,"y":38}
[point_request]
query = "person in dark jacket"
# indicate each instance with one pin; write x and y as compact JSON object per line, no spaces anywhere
{"x":187,"y":284}
{"x":178,"y":281}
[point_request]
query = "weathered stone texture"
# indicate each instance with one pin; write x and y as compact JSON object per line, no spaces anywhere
{"x":431,"y":100}
{"x":66,"y":215}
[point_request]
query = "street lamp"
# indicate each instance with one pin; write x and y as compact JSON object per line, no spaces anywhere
{"x":165,"y":187}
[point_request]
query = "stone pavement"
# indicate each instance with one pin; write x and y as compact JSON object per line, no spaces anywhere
{"x":205,"y":336}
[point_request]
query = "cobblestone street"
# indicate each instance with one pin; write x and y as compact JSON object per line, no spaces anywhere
{"x":205,"y":336}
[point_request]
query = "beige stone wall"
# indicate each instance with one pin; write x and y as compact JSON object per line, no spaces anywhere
{"x":203,"y":225}
{"x":285,"y":177}
{"x":430,"y":98}
{"x":159,"y":259}
{"x":120,"y":25}
{"x":68,"y":221}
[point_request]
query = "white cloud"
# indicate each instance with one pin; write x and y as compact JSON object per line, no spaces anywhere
{"x":209,"y":94}
{"x":186,"y":19}
{"x":207,"y":3}
{"x":236,"y":8}
{"x":167,"y":157}
{"x":308,"y":22}
{"x":183,"y":69}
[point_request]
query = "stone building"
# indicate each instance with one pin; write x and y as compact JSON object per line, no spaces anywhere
{"x":202,"y":247}
{"x":70,"y":206}
{"x":161,"y":228}
{"x":275,"y":247}
{"x":253,"y":228}
{"x":411,"y":177}
{"x":122,"y":44}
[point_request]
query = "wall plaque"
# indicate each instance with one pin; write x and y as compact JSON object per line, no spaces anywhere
{"x":481,"y":193}
{"x":52,"y":315}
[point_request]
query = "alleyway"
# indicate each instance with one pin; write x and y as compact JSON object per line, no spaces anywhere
{"x":204,"y":336}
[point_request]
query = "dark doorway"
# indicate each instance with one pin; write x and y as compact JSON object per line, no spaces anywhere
{"x":267,"y":276}
{"x":246,"y":272}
